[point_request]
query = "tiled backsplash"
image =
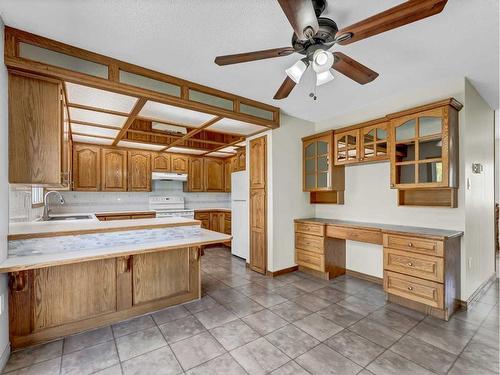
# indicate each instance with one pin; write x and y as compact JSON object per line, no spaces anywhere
{"x":83,"y":202}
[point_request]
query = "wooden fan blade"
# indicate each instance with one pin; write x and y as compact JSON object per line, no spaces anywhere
{"x":353,"y":69}
{"x":302,"y":17}
{"x":253,"y":56}
{"x":400,"y":15}
{"x":285,"y":89}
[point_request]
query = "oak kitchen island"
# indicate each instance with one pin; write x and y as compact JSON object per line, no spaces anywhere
{"x":67,"y":277}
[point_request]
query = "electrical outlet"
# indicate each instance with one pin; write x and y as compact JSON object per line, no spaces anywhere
{"x":470,"y":263}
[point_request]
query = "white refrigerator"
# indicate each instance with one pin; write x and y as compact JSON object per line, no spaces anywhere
{"x":239,"y":214}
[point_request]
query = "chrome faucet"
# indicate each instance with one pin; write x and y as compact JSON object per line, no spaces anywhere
{"x":46,"y":209}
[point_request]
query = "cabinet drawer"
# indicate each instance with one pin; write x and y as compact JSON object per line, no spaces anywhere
{"x":307,"y":228}
{"x":202,"y":216}
{"x":426,"y":267}
{"x":352,"y":234}
{"x":414,"y":244}
{"x":412,"y":288}
{"x":310,"y":260}
{"x":310,"y":243}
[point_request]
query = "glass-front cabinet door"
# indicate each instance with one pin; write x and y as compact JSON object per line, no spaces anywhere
{"x":420,"y":150}
{"x":317,"y":163}
{"x":374,"y":143}
{"x":347,"y":147}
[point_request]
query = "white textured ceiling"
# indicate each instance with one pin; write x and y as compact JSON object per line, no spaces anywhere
{"x":182,"y":37}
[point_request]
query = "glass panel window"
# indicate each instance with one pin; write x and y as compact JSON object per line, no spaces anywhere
{"x":149,"y":83}
{"x":62,"y":60}
{"x":310,"y":181}
{"x":369,"y":150}
{"x":341,"y":155}
{"x":381,"y":134}
{"x":322,"y":180}
{"x":255,"y":111}
{"x":352,"y":154}
{"x":430,"y":172}
{"x":322,"y":147}
{"x":405,"y":151}
{"x":430,"y":149}
{"x":209,"y":99}
{"x":351,"y":140}
{"x":381,"y":148}
{"x":323,"y":164}
{"x":429,"y":125}
{"x":406,"y":131}
{"x":341,"y":142}
{"x":405,"y":174}
{"x":310,"y":166}
{"x":311,"y":150}
{"x":370,"y":136}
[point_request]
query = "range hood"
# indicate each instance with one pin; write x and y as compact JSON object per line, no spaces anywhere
{"x":169,"y":176}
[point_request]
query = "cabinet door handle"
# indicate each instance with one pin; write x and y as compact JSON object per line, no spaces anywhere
{"x":410,"y":264}
{"x":410,"y":244}
{"x":410,"y":287}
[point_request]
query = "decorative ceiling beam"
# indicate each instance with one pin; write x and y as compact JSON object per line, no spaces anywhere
{"x":224,"y":146}
{"x":194,"y":132}
{"x":97,"y":109}
{"x":111,"y":82}
{"x":132,"y":115}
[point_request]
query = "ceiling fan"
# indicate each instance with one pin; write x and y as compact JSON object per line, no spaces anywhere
{"x":314,"y":36}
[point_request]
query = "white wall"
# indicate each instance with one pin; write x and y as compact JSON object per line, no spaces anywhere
{"x":369,"y":198}
{"x":480,"y":197}
{"x":4,"y":201}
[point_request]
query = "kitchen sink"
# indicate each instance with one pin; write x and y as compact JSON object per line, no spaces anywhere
{"x":70,"y":217}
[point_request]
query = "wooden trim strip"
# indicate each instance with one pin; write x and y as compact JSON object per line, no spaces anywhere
{"x":193,"y":132}
{"x":364,"y":276}
{"x":224,"y":146}
{"x":97,"y":109}
{"x":135,"y":111}
{"x":91,"y":124}
{"x":93,"y":135}
{"x":165,"y":134}
{"x":282,"y":271}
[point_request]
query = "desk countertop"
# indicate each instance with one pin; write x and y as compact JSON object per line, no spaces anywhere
{"x":386,"y":228}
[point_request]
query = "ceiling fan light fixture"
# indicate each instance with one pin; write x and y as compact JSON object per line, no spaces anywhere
{"x":322,"y":60}
{"x":324,"y":77}
{"x":296,"y":71}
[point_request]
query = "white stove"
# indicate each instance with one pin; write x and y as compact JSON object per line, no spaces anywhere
{"x":166,"y":206}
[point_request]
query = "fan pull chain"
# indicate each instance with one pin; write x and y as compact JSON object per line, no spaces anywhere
{"x":312,"y":94}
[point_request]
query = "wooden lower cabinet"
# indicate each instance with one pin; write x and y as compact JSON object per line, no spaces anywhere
{"x":204,"y":217}
{"x":216,"y":220}
{"x":125,"y":216}
{"x":51,"y":302}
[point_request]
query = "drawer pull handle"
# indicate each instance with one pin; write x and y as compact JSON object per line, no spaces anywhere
{"x":410,"y":287}
{"x":410,"y":264}
{"x":410,"y":244}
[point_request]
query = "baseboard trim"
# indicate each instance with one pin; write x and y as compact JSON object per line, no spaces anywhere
{"x":364,"y":276}
{"x":474,"y":297}
{"x":282,"y":271}
{"x":5,"y":357}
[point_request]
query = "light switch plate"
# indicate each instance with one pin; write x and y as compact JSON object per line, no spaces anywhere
{"x":477,"y":168}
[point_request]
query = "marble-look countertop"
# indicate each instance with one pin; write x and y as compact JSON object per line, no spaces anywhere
{"x":50,"y":251}
{"x":58,"y":228}
{"x":387,"y":228}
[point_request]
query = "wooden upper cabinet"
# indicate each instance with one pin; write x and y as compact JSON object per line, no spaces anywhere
{"x":317,"y":165}
{"x":258,"y":166}
{"x":161,"y":162}
{"x":195,"y":174}
{"x":179,"y":163}
{"x":424,"y":148}
{"x":139,"y":171}
{"x":38,"y":147}
{"x":214,"y":174}
{"x":347,"y":148}
{"x":374,"y":142}
{"x":86,"y":167}
{"x":228,"y":169}
{"x":241,"y":159}
{"x":114,"y":170}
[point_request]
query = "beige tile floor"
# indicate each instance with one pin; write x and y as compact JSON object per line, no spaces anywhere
{"x":247,"y":323}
